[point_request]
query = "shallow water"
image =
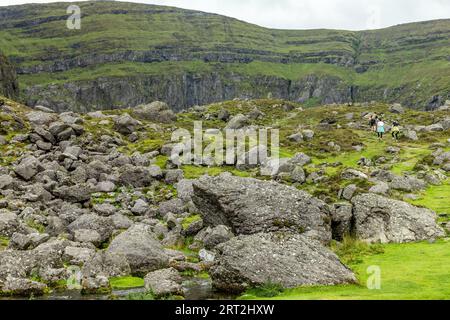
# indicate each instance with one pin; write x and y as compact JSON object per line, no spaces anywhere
{"x":194,"y":288}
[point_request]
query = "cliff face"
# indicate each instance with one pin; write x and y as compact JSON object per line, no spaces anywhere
{"x":9,"y":86}
{"x":189,"y":89}
{"x":127,"y":53}
{"x":183,"y":90}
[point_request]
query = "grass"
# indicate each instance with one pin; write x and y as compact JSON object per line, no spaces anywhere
{"x":435,"y":198}
{"x":408,"y":271}
{"x":128,"y":282}
{"x":4,"y":242}
{"x":268,"y":290}
{"x":36,"y":225}
{"x":195,"y":274}
{"x":189,"y":220}
{"x":140,"y":296}
{"x":352,"y":251}
{"x":409,"y":157}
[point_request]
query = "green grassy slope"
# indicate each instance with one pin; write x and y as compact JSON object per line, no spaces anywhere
{"x":415,"y":271}
{"x":121,"y":39}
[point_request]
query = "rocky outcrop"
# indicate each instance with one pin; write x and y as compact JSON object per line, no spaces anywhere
{"x":280,"y":258}
{"x":251,"y":206}
{"x":182,"y":91}
{"x":380,"y":219}
{"x":9,"y":85}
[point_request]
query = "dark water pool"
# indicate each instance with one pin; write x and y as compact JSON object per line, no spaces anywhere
{"x":195,"y":289}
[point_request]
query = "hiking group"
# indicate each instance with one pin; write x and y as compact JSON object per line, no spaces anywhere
{"x":378,"y":125}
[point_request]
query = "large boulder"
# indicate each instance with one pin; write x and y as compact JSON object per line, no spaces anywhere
{"x":141,"y":248}
{"x":23,"y":287}
{"x":250,"y":206}
{"x":103,"y":226}
{"x":288,"y":259}
{"x":237,"y":122}
{"x":136,"y":177}
{"x":379,"y":219}
{"x":9,"y":223}
{"x":40,"y":117}
{"x":434,"y":127}
{"x":5,"y":181}
{"x":156,"y":111}
{"x":164,"y":282}
{"x":125,"y":124}
{"x":397,"y":108}
{"x":411,"y":135}
{"x":106,"y":264}
{"x":28,"y":168}
{"x":75,"y":193}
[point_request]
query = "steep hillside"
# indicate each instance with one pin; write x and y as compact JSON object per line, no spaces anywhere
{"x":126,"y":54}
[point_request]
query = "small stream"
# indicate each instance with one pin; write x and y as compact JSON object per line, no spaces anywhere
{"x":194,"y":288}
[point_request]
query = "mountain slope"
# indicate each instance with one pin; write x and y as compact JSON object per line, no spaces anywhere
{"x":125,"y":54}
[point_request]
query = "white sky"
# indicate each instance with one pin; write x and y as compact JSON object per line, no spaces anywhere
{"x":309,"y":14}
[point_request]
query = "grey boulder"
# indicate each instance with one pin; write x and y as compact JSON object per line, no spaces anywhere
{"x":237,"y":122}
{"x":164,"y":282}
{"x":156,"y":111}
{"x":249,"y":206}
{"x":379,"y":219}
{"x":76,"y":193}
{"x":125,"y":124}
{"x":28,"y":168}
{"x":101,"y":225}
{"x":291,"y":260}
{"x":141,"y":249}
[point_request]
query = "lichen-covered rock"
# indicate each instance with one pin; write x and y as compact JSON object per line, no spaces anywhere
{"x":101,"y":225}
{"x":9,"y":223}
{"x":28,"y":168}
{"x":5,"y":181}
{"x":397,"y":108}
{"x":104,"y":263}
{"x":23,"y":287}
{"x":380,"y":219}
{"x":156,"y":111}
{"x":105,"y":209}
{"x":164,"y":282}
{"x":98,"y":284}
{"x":141,"y":249}
{"x":76,"y":193}
{"x":237,"y":122}
{"x":125,"y":124}
{"x":291,"y":260}
{"x":78,"y":255}
{"x":137,"y":177}
{"x":216,"y":236}
{"x":250,"y":206}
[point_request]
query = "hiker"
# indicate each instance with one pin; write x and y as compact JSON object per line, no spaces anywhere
{"x":373,"y":123}
{"x":395,"y":129}
{"x":380,"y":128}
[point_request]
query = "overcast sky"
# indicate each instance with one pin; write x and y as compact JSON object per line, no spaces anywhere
{"x":308,"y":14}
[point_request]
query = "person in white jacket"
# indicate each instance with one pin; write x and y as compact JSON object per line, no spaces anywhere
{"x":380,"y":128}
